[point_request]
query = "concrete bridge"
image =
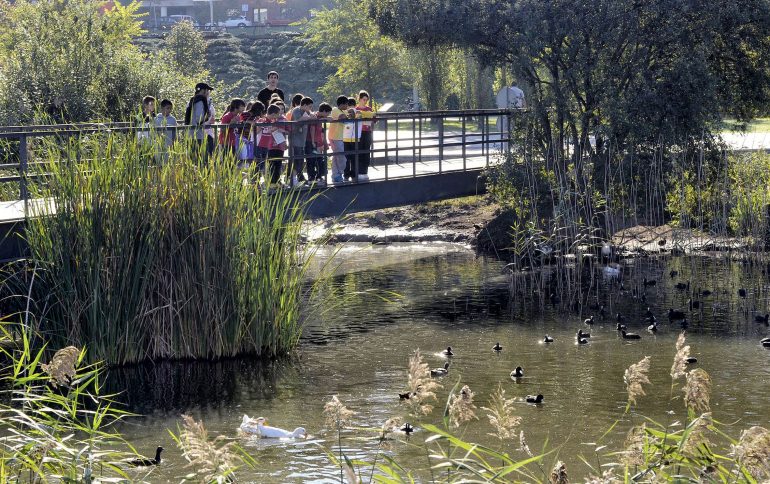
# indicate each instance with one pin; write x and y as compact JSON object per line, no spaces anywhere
{"x":416,"y":157}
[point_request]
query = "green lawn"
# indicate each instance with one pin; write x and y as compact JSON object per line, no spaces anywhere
{"x":759,"y":125}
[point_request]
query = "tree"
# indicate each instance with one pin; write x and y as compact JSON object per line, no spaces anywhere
{"x":72,"y":61}
{"x":186,"y":49}
{"x":607,"y":77}
{"x":349,"y":41}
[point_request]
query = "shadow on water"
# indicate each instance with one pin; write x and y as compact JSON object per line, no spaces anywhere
{"x":177,"y":387}
{"x":357,"y":344}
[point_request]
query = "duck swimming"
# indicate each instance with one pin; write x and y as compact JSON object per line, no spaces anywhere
{"x":497,"y":347}
{"x":144,"y":461}
{"x":589,"y":321}
{"x":581,"y":334}
{"x":256,"y":426}
{"x":630,"y":335}
{"x":673,"y":315}
{"x":536,"y":399}
{"x":653,"y":328}
{"x":440,"y":371}
{"x":407,"y":428}
{"x":448,"y":351}
{"x":517,"y":373}
{"x":547,"y":339}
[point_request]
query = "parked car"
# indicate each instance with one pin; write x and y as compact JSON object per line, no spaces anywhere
{"x":241,"y":21}
{"x":171,"y":20}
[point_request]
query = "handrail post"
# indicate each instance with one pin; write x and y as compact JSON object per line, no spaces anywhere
{"x":440,"y":142}
{"x":463,"y":148}
{"x":23,"y":166}
{"x":386,"y":159}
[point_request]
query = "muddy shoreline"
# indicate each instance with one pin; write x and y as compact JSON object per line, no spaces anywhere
{"x":479,"y":222}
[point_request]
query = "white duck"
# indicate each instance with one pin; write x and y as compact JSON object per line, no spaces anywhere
{"x":257,"y":426}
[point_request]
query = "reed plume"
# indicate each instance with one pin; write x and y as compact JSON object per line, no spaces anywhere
{"x":697,"y":437}
{"x":753,"y":452}
{"x":500,"y":415}
{"x":523,"y":445}
{"x":559,"y":474}
{"x":212,"y":460}
{"x":61,"y":369}
{"x":461,"y":407}
{"x":635,"y":441}
{"x":679,"y":368}
{"x":697,"y":391}
{"x":421,"y":386}
{"x":336,"y":414}
{"x":635,"y":376}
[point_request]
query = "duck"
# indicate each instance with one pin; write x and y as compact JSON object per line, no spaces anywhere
{"x":440,"y":371}
{"x":144,"y":461}
{"x":536,"y":399}
{"x":497,"y":347}
{"x":257,"y":426}
{"x":630,"y":335}
{"x":648,"y":313}
{"x":448,"y":351}
{"x":682,"y":285}
{"x":653,"y":328}
{"x":691,"y":360}
{"x":764,"y":340}
{"x":589,"y":321}
{"x":673,"y":315}
{"x":766,"y":344}
{"x":647,"y":283}
{"x":581,"y":334}
{"x":407,"y":428}
{"x":517,"y":373}
{"x":406,"y":396}
{"x":673,"y":274}
{"x":547,"y":339}
{"x":621,"y":327}
{"x":705,"y":293}
{"x":762,"y":319}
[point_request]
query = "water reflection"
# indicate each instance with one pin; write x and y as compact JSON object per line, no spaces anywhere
{"x":358,"y":343}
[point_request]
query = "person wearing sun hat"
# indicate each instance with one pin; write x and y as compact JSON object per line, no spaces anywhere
{"x":199,"y":114}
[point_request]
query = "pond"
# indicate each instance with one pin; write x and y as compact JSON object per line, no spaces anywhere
{"x":391,"y":300}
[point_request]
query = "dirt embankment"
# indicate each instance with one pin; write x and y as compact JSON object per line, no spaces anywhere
{"x":459,"y":220}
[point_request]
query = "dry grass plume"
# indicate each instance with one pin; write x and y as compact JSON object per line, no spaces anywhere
{"x":461,"y":407}
{"x":635,"y":376}
{"x":500,"y":415}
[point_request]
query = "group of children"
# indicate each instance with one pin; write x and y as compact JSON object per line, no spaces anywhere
{"x":262,"y":131}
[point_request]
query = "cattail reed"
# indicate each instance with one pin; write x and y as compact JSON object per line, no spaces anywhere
{"x":145,"y":261}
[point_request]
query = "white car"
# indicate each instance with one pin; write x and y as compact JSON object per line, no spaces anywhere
{"x":241,"y":21}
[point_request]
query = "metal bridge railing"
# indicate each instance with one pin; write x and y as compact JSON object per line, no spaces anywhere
{"x":405,"y":144}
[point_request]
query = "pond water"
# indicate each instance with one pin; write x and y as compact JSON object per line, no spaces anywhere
{"x":391,"y":300}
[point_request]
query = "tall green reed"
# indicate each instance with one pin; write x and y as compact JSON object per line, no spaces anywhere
{"x":57,"y":422}
{"x":141,"y":256}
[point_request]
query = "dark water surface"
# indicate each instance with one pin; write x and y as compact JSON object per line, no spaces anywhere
{"x":357,"y":345}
